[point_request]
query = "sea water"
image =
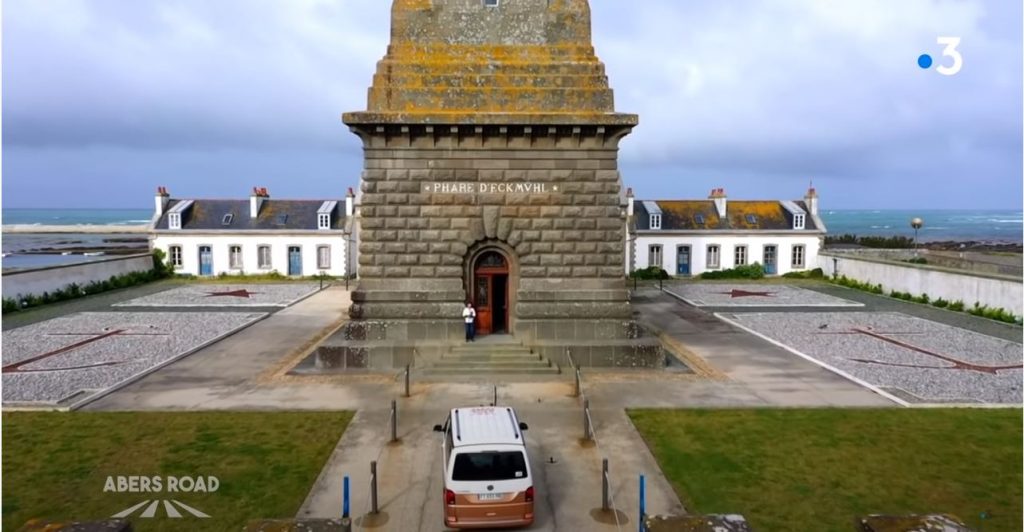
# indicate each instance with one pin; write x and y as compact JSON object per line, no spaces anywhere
{"x":939,"y":225}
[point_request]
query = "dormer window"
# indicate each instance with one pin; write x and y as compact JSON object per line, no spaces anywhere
{"x":323,"y":214}
{"x":655,"y":221}
{"x":798,"y":221}
{"x":174,"y":215}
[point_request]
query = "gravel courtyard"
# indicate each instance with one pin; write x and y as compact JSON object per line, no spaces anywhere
{"x":48,"y":362}
{"x":755,"y":295}
{"x":917,"y":360}
{"x":225,"y":295}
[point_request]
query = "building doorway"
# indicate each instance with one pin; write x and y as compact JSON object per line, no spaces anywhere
{"x":294,"y":260}
{"x":205,"y":260}
{"x":683,"y":260}
{"x":490,"y":292}
{"x":770,"y":259}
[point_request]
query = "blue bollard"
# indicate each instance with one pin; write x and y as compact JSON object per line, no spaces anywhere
{"x":345,"y":498}
{"x":643,"y":504}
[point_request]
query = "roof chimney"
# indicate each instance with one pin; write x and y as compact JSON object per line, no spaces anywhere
{"x":162,"y":197}
{"x":811,"y":199}
{"x":718,"y":195}
{"x":256,"y":199}
{"x":349,"y":202}
{"x":629,"y":201}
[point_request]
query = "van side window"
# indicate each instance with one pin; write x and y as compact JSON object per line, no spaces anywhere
{"x":447,"y":446}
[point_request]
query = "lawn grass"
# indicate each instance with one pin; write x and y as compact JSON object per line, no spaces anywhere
{"x":817,"y":469}
{"x":55,"y":464}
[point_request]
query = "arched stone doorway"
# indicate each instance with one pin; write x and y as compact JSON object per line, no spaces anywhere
{"x":491,"y":281}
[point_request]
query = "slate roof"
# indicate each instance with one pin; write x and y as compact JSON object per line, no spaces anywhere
{"x":685,"y":215}
{"x":209,"y":215}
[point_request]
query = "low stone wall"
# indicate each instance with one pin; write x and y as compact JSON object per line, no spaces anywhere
{"x":967,"y":261}
{"x":49,"y":278}
{"x":996,"y":291}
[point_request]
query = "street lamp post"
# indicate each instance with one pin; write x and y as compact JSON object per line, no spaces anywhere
{"x":917,"y":224}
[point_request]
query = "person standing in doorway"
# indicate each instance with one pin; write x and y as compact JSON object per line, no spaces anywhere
{"x":469,"y":316}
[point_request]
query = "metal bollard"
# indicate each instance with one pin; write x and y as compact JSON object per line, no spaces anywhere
{"x":373,"y":487}
{"x":394,"y":421}
{"x":495,"y":401}
{"x":643,"y":505}
{"x":586,"y":420}
{"x":605,"y":505}
{"x":576,"y":391}
{"x":407,"y":380}
{"x":346,"y":521}
{"x":345,"y":498}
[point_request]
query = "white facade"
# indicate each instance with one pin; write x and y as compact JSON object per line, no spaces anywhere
{"x":282,"y":251}
{"x":727,"y":243}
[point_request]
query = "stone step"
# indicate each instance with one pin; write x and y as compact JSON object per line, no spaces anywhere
{"x":488,"y":357}
{"x":496,"y":352}
{"x":479,"y":346}
{"x":537,"y":370}
{"x":514,"y":364}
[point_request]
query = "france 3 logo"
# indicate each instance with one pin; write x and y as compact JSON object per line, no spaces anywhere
{"x":925,"y":61}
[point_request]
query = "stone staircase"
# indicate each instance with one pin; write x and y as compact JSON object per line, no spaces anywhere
{"x":490,"y":355}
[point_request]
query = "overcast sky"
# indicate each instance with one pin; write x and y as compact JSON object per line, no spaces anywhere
{"x":103,"y":100}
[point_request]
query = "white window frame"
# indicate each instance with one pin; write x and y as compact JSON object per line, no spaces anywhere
{"x":655,"y":221}
{"x":321,"y":264}
{"x":717,"y":263}
{"x":176,"y":258}
{"x":655,"y":250}
{"x":174,"y":220}
{"x":799,"y":221}
{"x":323,"y":220}
{"x":801,"y":251}
{"x":259,"y":257}
{"x":232,"y":265}
{"x":736,"y":256}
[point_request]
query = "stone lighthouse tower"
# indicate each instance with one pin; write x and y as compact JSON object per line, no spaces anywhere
{"x":491,"y":175}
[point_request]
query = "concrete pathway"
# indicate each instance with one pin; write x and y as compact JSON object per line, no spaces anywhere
{"x":227,"y":375}
{"x":243,"y":372}
{"x":752,"y":371}
{"x":566,"y":469}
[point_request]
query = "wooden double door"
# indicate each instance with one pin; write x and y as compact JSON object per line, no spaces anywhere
{"x":490,"y":293}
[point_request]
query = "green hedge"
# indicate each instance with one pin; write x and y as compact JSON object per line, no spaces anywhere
{"x":747,"y":271}
{"x":159,"y":271}
{"x":853,"y":283}
{"x":650,"y":273}
{"x":809,"y":274}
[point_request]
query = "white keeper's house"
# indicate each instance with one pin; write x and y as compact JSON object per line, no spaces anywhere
{"x":690,"y":237}
{"x":262,"y":235}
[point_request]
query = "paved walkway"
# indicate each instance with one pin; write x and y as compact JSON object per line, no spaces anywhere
{"x":756,"y":372}
{"x":232,"y":375}
{"x":566,"y":469}
{"x":226,"y":375}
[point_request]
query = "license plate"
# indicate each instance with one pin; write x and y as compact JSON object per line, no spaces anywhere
{"x":491,"y":496}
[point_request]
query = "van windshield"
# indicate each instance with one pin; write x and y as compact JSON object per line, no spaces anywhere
{"x":490,"y":465}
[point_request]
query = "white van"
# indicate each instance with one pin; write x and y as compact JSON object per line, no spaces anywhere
{"x":487,"y":478}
